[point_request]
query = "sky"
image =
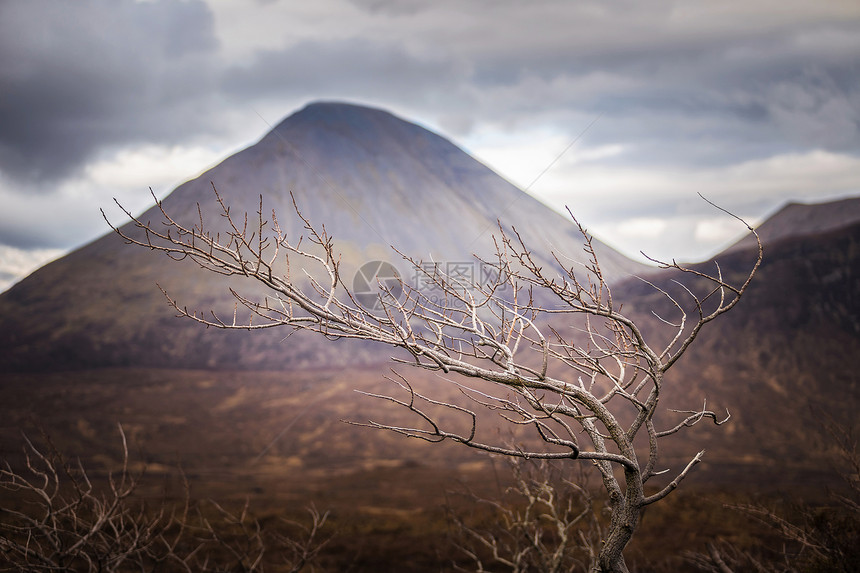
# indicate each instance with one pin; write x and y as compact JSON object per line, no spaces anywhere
{"x":622,"y":111}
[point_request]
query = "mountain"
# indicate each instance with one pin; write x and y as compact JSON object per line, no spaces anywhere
{"x":800,"y":219}
{"x":782,"y":361}
{"x":372,"y":179}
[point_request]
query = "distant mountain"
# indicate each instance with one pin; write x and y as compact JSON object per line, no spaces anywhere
{"x":800,"y":219}
{"x":372,"y":179}
{"x":782,"y":361}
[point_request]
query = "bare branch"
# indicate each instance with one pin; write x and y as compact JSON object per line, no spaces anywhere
{"x":68,"y":523}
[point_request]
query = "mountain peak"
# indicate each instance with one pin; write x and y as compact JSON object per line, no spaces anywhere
{"x":330,"y":107}
{"x":334,"y":111}
{"x":346,"y":131}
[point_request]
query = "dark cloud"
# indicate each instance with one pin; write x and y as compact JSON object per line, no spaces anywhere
{"x":681,"y":89}
{"x":351,"y":68}
{"x":392,"y":7}
{"x":78,"y":76}
{"x":694,"y":90}
{"x":674,"y":84}
{"x":49,"y":227}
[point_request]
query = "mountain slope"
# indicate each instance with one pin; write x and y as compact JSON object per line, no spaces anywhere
{"x":372,"y":179}
{"x":782,"y":361}
{"x":375,"y":181}
{"x":800,"y":219}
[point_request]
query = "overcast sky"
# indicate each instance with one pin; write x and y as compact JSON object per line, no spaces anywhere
{"x":752,"y":103}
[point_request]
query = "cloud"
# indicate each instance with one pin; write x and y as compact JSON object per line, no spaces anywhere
{"x":356,"y":68}
{"x":752,"y":102}
{"x":681,"y":83}
{"x":18,"y":263}
{"x":70,"y":214}
{"x":677,"y":84}
{"x":78,"y":77}
{"x":623,"y":204}
{"x":813,"y":107}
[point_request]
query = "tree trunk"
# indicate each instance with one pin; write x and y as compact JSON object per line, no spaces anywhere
{"x":611,"y":556}
{"x":625,"y":518}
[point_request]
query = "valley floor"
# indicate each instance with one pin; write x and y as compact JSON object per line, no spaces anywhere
{"x":278,"y":441}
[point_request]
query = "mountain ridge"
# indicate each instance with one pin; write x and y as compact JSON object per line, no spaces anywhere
{"x":795,"y":219}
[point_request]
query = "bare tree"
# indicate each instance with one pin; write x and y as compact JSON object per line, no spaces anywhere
{"x":567,"y":362}
{"x":218,"y":539}
{"x":546,"y":522}
{"x":808,"y":538}
{"x":63,"y":519}
{"x":65,"y":523}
